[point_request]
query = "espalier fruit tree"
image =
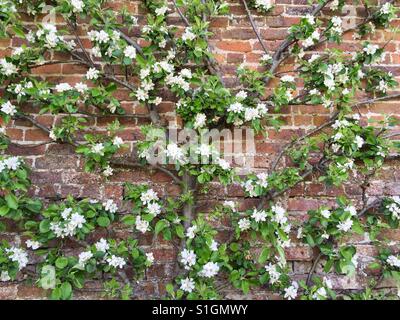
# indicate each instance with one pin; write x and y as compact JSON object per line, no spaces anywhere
{"x":165,"y":60}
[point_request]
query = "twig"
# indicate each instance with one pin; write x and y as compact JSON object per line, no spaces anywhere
{"x":329,"y":122}
{"x":253,"y":25}
{"x":313,"y":267}
{"x":372,"y":205}
{"x":186,"y":21}
{"x":277,"y":57}
{"x":116,"y":162}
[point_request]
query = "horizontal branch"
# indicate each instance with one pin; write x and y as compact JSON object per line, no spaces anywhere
{"x":130,"y":164}
{"x":114,"y":161}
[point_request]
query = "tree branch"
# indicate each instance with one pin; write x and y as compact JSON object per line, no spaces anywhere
{"x":253,"y":25}
{"x":313,"y":267}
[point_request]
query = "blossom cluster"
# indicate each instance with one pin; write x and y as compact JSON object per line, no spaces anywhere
{"x":239,"y":111}
{"x":149,"y":200}
{"x":48,"y":35}
{"x":12,"y":260}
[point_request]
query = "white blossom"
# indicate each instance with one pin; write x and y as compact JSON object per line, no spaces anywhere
{"x":280,"y":215}
{"x":236,"y":107}
{"x":262,"y":108}
{"x":141,"y":225}
{"x":259,"y":216}
{"x":81,"y":87}
{"x":188,"y":35}
{"x":84,"y":257}
{"x":266,"y":58}
{"x":148,"y":196}
{"x":77,"y":5}
{"x":262,"y":179}
{"x":191,"y":232}
{"x":263,"y":4}
{"x":116,"y":262}
{"x":187,"y":285}
{"x":18,"y":255}
{"x":310,"y":19}
{"x":351,"y":209}
{"x":214,"y":245}
{"x":175,"y":153}
{"x":118,"y":142}
{"x":76,"y":221}
{"x":141,"y":94}
{"x":287,"y":78}
{"x":110,"y":206}
{"x":108,"y":171}
{"x":274,"y":274}
{"x":371,"y":49}
{"x":321,"y":292}
{"x":12,"y":163}
{"x":154,"y":208}
{"x":210,"y":269}
{"x":291,"y":291}
{"x":92,"y":74}
{"x":98,"y":148}
{"x":7,"y":68}
{"x":244,"y":224}
{"x":150,"y":257}
{"x":383,"y":86}
{"x":102,"y":245}
{"x":200,"y":120}
{"x":62,"y":87}
{"x":188,"y":258}
{"x":130,"y":52}
{"x":313,"y":58}
{"x":326,"y":213}
{"x":345,"y":225}
{"x":337,"y":24}
{"x":4,"y":276}
{"x":393,"y":261}
{"x":385,"y":9}
{"x":327,"y":282}
{"x":251,"y":114}
{"x":186,"y":73}
{"x":230,"y":204}
{"x":359,"y":141}
{"x":241,"y":95}
{"x":32,"y":244}
{"x":8,"y":108}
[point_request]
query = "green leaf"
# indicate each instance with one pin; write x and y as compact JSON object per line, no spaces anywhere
{"x":129,"y":220}
{"x":264,"y":255}
{"x":328,"y":265}
{"x":66,"y":290}
{"x":18,"y":32}
{"x":170,"y":289}
{"x":34,"y":205}
{"x":12,"y":201}
{"x":234,"y":246}
{"x":44,"y":226}
{"x":245,"y":287}
{"x":61,"y":262}
{"x":162,"y":224}
{"x":103,"y":221}
{"x":310,"y":240}
{"x":4,"y":210}
{"x":180,"y":231}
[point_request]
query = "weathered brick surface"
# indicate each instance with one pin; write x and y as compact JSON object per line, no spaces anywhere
{"x":57,"y":171}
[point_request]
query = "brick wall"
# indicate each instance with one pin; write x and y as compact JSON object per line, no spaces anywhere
{"x":57,"y":171}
